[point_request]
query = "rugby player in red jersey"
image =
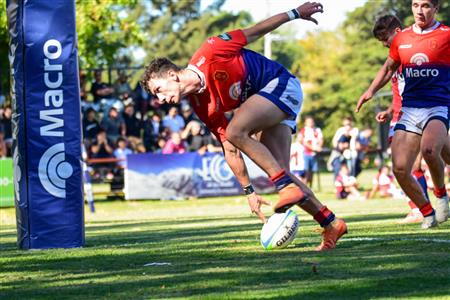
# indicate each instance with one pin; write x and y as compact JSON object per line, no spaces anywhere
{"x":223,"y":76}
{"x":423,"y":53}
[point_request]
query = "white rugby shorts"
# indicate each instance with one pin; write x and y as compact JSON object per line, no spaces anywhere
{"x":286,"y":93}
{"x":416,"y":119}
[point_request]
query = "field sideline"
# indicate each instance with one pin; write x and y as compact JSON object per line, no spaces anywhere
{"x":209,"y":249}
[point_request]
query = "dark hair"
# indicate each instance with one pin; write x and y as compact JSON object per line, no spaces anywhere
{"x":156,"y":69}
{"x":385,"y":25}
{"x":435,"y":2}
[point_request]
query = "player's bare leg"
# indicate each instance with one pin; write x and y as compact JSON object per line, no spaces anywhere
{"x":415,"y":216}
{"x":405,"y":148}
{"x":434,"y":138}
{"x":445,"y":153}
{"x":278,"y":140}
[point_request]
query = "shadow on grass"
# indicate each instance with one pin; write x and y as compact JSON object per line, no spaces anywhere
{"x":220,"y":261}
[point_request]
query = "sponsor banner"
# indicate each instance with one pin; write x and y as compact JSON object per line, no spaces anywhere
{"x":49,"y":136}
{"x":175,"y":176}
{"x":6,"y":183}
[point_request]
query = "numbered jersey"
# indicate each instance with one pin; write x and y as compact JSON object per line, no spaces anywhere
{"x":230,"y":74}
{"x":425,"y":61}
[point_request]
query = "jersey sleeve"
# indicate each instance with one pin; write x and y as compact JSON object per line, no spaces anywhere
{"x":228,"y":43}
{"x":393,"y":50}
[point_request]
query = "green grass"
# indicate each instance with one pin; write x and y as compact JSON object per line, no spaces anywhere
{"x":214,"y":251}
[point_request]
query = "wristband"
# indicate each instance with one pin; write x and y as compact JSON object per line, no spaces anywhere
{"x":293,"y":14}
{"x":248,"y":189}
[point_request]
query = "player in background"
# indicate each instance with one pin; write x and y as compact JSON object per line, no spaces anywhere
{"x":423,"y":53}
{"x":223,"y":76}
{"x":385,"y":29}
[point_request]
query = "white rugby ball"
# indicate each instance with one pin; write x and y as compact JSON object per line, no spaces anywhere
{"x":280,"y":230}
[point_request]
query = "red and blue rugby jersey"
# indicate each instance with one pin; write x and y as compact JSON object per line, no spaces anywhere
{"x":230,"y":74}
{"x":425,"y":61}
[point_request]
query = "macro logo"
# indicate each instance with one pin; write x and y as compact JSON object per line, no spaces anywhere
{"x":53,"y":168}
{"x":419,"y":59}
{"x":215,"y":168}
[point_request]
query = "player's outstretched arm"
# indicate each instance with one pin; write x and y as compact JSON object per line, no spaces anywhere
{"x":384,"y":75}
{"x":237,"y":165}
{"x":304,"y":11}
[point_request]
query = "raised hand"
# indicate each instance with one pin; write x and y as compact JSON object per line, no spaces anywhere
{"x":307,"y":9}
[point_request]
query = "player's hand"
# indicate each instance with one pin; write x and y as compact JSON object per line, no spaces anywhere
{"x":255,"y":201}
{"x":382,"y":116}
{"x":306,"y":10}
{"x":363,"y":99}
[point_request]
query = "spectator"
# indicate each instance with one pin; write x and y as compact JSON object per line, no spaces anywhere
{"x":141,"y":101}
{"x":102,"y":148}
{"x":114,"y":125}
{"x":160,"y":144}
{"x":348,"y":130}
{"x":213,"y":144}
{"x":6,"y":122}
{"x":188,"y":113}
{"x":174,"y":145}
{"x":133,"y":127}
{"x":173,"y":120}
{"x":384,"y":184}
{"x":346,"y":185}
{"x":340,"y":155}
{"x":152,"y":130}
{"x":122,"y":89}
{"x":362,"y":147}
{"x":99,"y":89}
{"x":90,"y":126}
{"x":312,"y":140}
{"x":194,"y":137}
{"x":297,"y":161}
{"x":121,"y":152}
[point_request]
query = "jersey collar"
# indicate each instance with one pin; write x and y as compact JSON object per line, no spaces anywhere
{"x":201,"y":75}
{"x":418,"y":30}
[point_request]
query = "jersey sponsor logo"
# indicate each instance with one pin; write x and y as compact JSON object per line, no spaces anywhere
{"x":235,"y":90}
{"x":225,"y":36}
{"x":419,"y":59}
{"x":405,"y":46}
{"x":210,"y":41}
{"x":414,"y":73}
{"x":220,"y":75}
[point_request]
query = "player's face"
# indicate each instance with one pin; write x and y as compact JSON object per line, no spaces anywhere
{"x":424,"y":12}
{"x":166,"y":89}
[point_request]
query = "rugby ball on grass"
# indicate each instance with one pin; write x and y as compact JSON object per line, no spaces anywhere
{"x":280,"y":230}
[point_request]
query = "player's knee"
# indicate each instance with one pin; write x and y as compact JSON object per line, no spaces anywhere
{"x":429,"y":153}
{"x":235,"y":135}
{"x":400,"y":172}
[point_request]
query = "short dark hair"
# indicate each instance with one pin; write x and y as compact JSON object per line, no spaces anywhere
{"x":156,"y":69}
{"x":385,"y":25}
{"x":435,"y":2}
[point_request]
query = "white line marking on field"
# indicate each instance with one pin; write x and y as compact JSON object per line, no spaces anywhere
{"x":157,"y":264}
{"x":369,"y":239}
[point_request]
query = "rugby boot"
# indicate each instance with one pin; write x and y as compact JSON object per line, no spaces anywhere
{"x":429,"y":222}
{"x":332,"y":234}
{"x":288,"y":197}
{"x":441,"y":209}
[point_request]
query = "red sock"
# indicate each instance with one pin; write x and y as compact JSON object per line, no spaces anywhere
{"x":324,"y":216}
{"x":412,"y":205}
{"x":440,"y":192}
{"x":427,"y":210}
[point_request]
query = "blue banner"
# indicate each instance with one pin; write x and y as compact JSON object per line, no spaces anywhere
{"x":47,"y":126}
{"x":177,"y":176}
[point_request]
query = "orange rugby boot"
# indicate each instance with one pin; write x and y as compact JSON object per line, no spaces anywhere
{"x":332,"y":234}
{"x":289,"y":196}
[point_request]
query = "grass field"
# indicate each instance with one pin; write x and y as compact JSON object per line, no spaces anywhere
{"x":210,"y":250}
